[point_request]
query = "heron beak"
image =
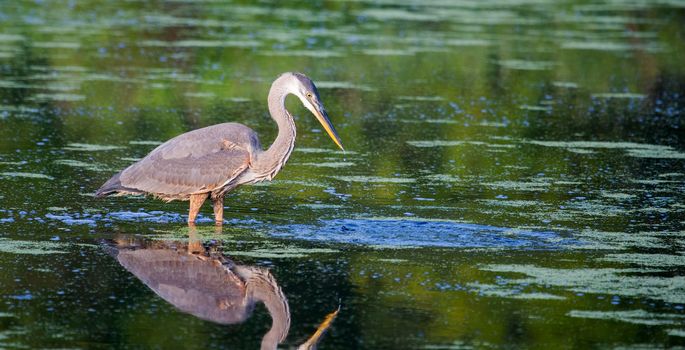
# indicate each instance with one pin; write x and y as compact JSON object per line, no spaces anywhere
{"x":322,"y":116}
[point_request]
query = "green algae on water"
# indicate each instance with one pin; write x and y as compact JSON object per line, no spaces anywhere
{"x":652,"y":260}
{"x":145,"y":142}
{"x":623,"y":282}
{"x":374,"y":179}
{"x":631,"y":316}
{"x":617,"y":195}
{"x":328,"y":164}
{"x":676,"y":332}
{"x":502,"y":291}
{"x":60,"y":97}
{"x":510,"y":203}
{"x":281,"y":253}
{"x":27,"y":175}
{"x":526,"y":65}
{"x":31,"y":247}
{"x":342,"y":85}
{"x":517,"y":185}
{"x":444,"y":143}
{"x":79,"y":164}
{"x":627,"y":95}
{"x":87,"y":147}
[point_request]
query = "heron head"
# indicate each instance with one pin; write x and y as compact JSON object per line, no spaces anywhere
{"x":305,"y":90}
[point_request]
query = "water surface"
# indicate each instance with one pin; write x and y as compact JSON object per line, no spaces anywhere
{"x":514,"y":174}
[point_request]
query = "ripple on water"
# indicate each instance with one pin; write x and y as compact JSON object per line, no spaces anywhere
{"x":402,"y":232}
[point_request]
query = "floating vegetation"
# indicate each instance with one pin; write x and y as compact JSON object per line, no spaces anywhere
{"x":389,"y":52}
{"x":609,"y":46}
{"x":468,"y":42}
{"x":639,"y":150}
{"x":580,"y":150}
{"x":342,"y":85}
{"x":57,"y":45}
{"x":676,"y":332}
{"x":565,"y":84}
{"x":510,"y":203}
{"x":496,"y":290}
{"x":393,"y":261}
{"x":374,"y":179}
{"x":628,"y":95}
{"x":200,"y":94}
{"x":329,"y":164}
{"x":604,"y":240}
{"x":92,"y":166}
{"x":631,"y":316}
{"x":444,"y":143}
{"x":27,"y":175}
{"x":201,"y":43}
{"x":536,"y":108}
{"x":517,"y":185}
{"x":654,"y":182}
{"x":11,"y":37}
{"x":652,"y":260}
{"x":145,"y":142}
{"x":664,"y":153}
{"x":303,"y":53}
{"x":321,"y":206}
{"x":617,"y":195}
{"x":60,"y":97}
{"x":443,"y":178}
{"x":87,"y":147}
{"x":622,"y":282}
{"x":303,"y":183}
{"x":281,"y":252}
{"x":526,"y":65}
{"x":31,"y":247}
{"x":421,"y":98}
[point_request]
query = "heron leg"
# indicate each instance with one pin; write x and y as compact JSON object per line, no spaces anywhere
{"x":218,"y":210}
{"x":196,"y":201}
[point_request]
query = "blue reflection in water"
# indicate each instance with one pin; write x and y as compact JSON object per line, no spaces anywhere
{"x":423,"y":233}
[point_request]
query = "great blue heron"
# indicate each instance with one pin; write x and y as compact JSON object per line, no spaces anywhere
{"x":212,"y":161}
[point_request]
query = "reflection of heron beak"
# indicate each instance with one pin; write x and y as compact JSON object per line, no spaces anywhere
{"x":322,"y":116}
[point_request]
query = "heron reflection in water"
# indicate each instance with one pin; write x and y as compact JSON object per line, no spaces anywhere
{"x":212,"y":161}
{"x":209,"y":286}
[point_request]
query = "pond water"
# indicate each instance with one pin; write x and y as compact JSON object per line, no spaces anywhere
{"x":514,"y":174}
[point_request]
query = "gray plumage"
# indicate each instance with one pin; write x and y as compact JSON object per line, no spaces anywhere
{"x":212,"y":161}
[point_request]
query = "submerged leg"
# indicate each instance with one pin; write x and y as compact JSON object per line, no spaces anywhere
{"x":218,"y":210}
{"x":196,"y":201}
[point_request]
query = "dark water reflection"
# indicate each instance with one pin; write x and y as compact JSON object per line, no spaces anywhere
{"x":200,"y":281}
{"x":203,"y":286}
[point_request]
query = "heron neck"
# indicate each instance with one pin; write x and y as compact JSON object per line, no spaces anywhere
{"x":273,"y":159}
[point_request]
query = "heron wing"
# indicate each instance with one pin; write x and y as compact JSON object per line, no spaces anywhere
{"x":198,"y":161}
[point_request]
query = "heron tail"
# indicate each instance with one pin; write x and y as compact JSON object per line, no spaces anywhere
{"x":114,"y":186}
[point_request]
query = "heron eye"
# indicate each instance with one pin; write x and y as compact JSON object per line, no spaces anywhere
{"x":309,"y":95}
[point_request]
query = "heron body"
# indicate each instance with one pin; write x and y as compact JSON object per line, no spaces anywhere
{"x":210,"y":162}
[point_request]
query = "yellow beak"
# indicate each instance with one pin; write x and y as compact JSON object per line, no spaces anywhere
{"x":322,"y":116}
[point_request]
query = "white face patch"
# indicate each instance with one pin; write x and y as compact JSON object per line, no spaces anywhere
{"x":295,"y":88}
